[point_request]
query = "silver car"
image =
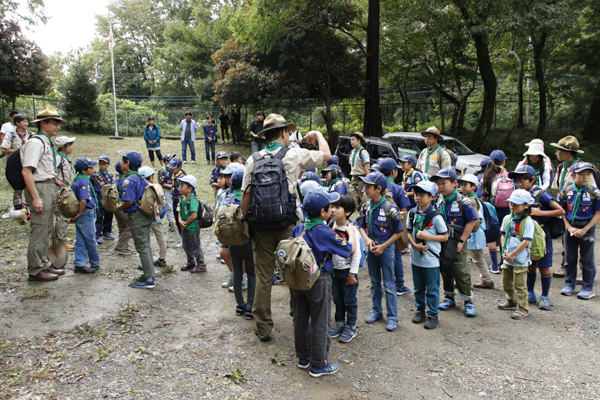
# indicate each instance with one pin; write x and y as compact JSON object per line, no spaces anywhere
{"x":412,"y":143}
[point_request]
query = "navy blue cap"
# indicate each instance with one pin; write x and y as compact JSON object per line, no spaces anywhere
{"x":484,"y":162}
{"x":446,"y":173}
{"x":167,"y":157}
{"x":582,"y":166}
{"x":408,"y":159}
{"x":498,"y":155}
{"x":175,"y":163}
{"x":521,"y":170}
{"x":104,"y":158}
{"x":133,"y":157}
{"x":374,"y":167}
{"x":333,"y":167}
{"x":311,"y":170}
{"x":221,"y":154}
{"x":236,"y":179}
{"x":310,"y":176}
{"x":317,"y":199}
{"x":375,"y":178}
{"x":118,"y":167}
{"x":333,"y":160}
{"x":83,"y":163}
{"x":387,"y":165}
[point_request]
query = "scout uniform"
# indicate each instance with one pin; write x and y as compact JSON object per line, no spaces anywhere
{"x":410,"y":178}
{"x":122,"y":246}
{"x":358,"y":158}
{"x":65,"y":173}
{"x":337,"y":184}
{"x":165,"y":177}
{"x":432,"y":161}
{"x":214,"y":175}
{"x":190,"y":235}
{"x":103,"y":218}
{"x":85,"y":244}
{"x":175,"y":195}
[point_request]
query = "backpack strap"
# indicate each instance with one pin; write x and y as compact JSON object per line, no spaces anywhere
{"x":440,"y":152}
{"x":388,"y":215}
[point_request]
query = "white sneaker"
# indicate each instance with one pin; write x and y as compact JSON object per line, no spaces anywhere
{"x":180,"y":245}
{"x":185,"y":162}
{"x":193,"y":162}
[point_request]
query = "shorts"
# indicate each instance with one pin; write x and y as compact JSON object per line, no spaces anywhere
{"x":151,"y":154}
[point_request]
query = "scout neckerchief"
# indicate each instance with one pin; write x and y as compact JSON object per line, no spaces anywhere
{"x":517,"y":219}
{"x":237,"y":194}
{"x":125,"y":177}
{"x":419,"y":218}
{"x":66,"y":157}
{"x":311,"y":222}
{"x":272,"y":146}
{"x":446,"y":200}
{"x":355,"y":152}
{"x":406,"y":176}
{"x":87,"y":177}
{"x":51,"y":146}
{"x":564,"y":171}
{"x":577,"y":199}
{"x":371,"y":209}
{"x":429,"y":153}
{"x":332,"y":184}
{"x":390,"y":179}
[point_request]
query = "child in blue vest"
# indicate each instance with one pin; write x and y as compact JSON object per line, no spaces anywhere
{"x":515,"y":252}
{"x":103,"y":218}
{"x":389,"y":169}
{"x":460,"y":216}
{"x":122,"y":246}
{"x":411,"y":177}
{"x":334,"y":179}
{"x":581,"y":201}
{"x":165,"y":179}
{"x":380,"y":239}
{"x":312,"y":308}
{"x":426,"y":234}
{"x":85,"y":244}
{"x":220,"y":166}
{"x":541,"y":211}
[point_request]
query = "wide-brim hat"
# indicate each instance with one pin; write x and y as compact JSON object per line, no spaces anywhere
{"x":275,"y":121}
{"x":358,"y":135}
{"x":433,"y":130}
{"x":48,"y":112}
{"x":535,"y":150}
{"x":568,"y":143}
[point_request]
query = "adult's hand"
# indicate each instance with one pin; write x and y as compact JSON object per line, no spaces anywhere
{"x":37,"y":205}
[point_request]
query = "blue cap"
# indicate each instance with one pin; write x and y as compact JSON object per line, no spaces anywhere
{"x":311,"y":170}
{"x":498,"y":155}
{"x":221,"y":154}
{"x":236,"y":179}
{"x":167,"y":157}
{"x":317,"y":199}
{"x":118,"y":167}
{"x":104,"y":158}
{"x":310,"y":176}
{"x":175,"y":163}
{"x":146,"y":172}
{"x":520,"y":196}
{"x":469,"y":178}
{"x":375,"y":178}
{"x":408,"y":159}
{"x":484,"y":162}
{"x":387,"y":165}
{"x":231,"y":168}
{"x":83,"y":163}
{"x":521,"y":170}
{"x":307,"y":186}
{"x":333,"y":160}
{"x":333,"y":167}
{"x":189,"y":179}
{"x":374,"y":167}
{"x":427,"y":186}
{"x":582,"y":166}
{"x":446,"y":173}
{"x":133,"y":157}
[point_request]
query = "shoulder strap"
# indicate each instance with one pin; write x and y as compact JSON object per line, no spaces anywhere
{"x":388,"y":215}
{"x":281,"y":153}
{"x":430,"y":217}
{"x":257,"y":157}
{"x":440,"y":153}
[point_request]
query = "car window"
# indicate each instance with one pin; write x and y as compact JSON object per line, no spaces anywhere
{"x":457,"y":147}
{"x":377,"y":151}
{"x":407,"y":149}
{"x":344,"y":146}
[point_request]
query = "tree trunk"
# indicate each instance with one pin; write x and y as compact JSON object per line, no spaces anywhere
{"x":372,"y":125}
{"x":460,"y":125}
{"x":513,"y":52}
{"x":538,"y":51}
{"x":590,"y":128}
{"x":441,"y":114}
{"x":489,"y":91}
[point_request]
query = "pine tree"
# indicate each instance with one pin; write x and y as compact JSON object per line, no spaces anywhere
{"x":79,"y":97}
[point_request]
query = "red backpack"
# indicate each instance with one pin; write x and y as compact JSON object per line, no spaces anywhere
{"x":502,"y":188}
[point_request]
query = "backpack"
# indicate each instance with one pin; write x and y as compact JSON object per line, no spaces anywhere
{"x":362,"y":247}
{"x":555,"y":225}
{"x":492,"y":224}
{"x":502,"y":188}
{"x":14,"y":168}
{"x":67,"y":202}
{"x":538,"y":244}
{"x":402,"y":242}
{"x":297,"y":263}
{"x":459,"y":199}
{"x":272,"y":207}
{"x":440,"y":153}
{"x":447,"y":255}
{"x":206,"y":215}
{"x":151,"y":202}
{"x":110,"y":197}
{"x":229,"y":226}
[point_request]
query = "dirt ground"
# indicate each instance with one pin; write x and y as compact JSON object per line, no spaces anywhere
{"x":88,"y":337}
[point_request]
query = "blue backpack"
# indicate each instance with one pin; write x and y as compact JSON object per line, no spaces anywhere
{"x":492,"y":224}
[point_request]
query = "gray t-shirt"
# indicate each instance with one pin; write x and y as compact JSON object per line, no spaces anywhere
{"x":188,"y":129}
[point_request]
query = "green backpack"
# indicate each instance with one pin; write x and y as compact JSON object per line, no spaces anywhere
{"x":538,"y":244}
{"x":297,"y":263}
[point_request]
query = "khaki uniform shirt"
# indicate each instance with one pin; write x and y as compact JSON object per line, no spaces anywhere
{"x":568,"y":181}
{"x":357,"y":167}
{"x":294,"y":162}
{"x":39,"y":156}
{"x":434,"y":163}
{"x":13,"y":140}
{"x":64,"y":171}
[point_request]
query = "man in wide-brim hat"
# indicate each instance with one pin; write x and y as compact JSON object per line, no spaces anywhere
{"x":360,"y":163}
{"x":38,"y":157}
{"x":434,"y":157}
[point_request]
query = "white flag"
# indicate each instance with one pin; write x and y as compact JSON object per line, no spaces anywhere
{"x":111,"y":39}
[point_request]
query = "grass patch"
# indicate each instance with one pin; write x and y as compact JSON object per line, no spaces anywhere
{"x":34,"y":293}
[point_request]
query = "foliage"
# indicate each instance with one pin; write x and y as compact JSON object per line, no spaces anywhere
{"x":79,"y":95}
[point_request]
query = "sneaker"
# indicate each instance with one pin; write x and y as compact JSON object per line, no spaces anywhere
{"x":108,"y":236}
{"x":531,"y":298}
{"x":262,"y":338}
{"x":248,"y":313}
{"x":188,"y":267}
{"x":180,"y":245}
{"x":567,"y":290}
{"x":231,"y":289}
{"x":336,"y":331}
{"x":348,"y":334}
{"x":96,"y":268}
{"x":193,"y":162}
{"x":560,"y":273}
{"x":69,"y":247}
{"x":171,"y":226}
{"x":391,"y":325}
{"x":402,"y":290}
{"x":199,"y":268}
{"x":579,"y":279}
{"x":586,"y":294}
{"x":98,"y":240}
{"x":303,"y":363}
{"x":208,"y":163}
{"x":123,"y":252}
{"x":240,"y":309}
{"x":519,"y":314}
{"x":140,"y":268}
{"x":143,"y":283}
{"x":218,"y":256}
{"x":419,"y":317}
{"x":494,"y":270}
{"x":432,"y":322}
{"x":245,"y":285}
{"x":329,"y":369}
{"x":83,"y":270}
{"x":374,"y":317}
{"x":447,"y":304}
{"x":484,"y":285}
{"x":278,"y":281}
{"x":508,"y":305}
{"x":160,"y":263}
{"x":470,"y":309}
{"x":229,"y":282}
{"x":184,"y":161}
{"x":544,"y":303}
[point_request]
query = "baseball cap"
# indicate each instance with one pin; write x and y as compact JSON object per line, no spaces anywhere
{"x":311,"y":170}
{"x":133,"y":157}
{"x":333,"y":160}
{"x":310,"y":176}
{"x":118,"y":167}
{"x":231,"y":168}
{"x":83,"y":163}
{"x":375,"y":178}
{"x":427,"y":186}
{"x":582,"y":166}
{"x":221,"y":154}
{"x":63,"y":141}
{"x":374,"y":167}
{"x":333,"y":167}
{"x":469,"y":178}
{"x":146,"y":172}
{"x":190,"y":180}
{"x":104,"y":158}
{"x":498,"y":155}
{"x":521,"y":170}
{"x":484,"y":162}
{"x":387,"y":165}
{"x":307,"y":186}
{"x":408,"y":159}
{"x":167,"y":157}
{"x":316,"y":200}
{"x":236,"y":179}
{"x":446,"y":173}
{"x":520,"y":196}
{"x":175,"y":162}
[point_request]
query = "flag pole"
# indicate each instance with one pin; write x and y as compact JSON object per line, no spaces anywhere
{"x":111,"y":44}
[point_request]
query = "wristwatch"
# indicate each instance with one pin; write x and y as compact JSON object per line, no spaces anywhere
{"x":461,"y":241}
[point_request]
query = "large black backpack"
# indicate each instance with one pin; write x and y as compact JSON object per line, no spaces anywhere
{"x":272,"y":207}
{"x":14,"y":168}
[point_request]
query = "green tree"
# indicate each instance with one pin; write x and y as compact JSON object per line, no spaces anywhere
{"x":79,"y":97}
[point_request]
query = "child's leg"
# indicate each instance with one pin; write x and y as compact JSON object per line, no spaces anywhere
{"x":448,"y":282}
{"x":107,"y":224}
{"x":196,"y":247}
{"x":337,"y":288}
{"x":80,"y":249}
{"x":375,"y":276}
{"x":432,"y":285}
{"x":185,"y":240}
{"x":571,"y":249}
{"x":520,"y":291}
{"x":531,"y":277}
{"x":99,"y":221}
{"x":493,"y":255}
{"x":176,"y":215}
{"x":169,"y":205}
{"x":587,"y":259}
{"x":88,"y":232}
{"x":462,"y":276}
{"x":302,"y":326}
{"x":508,"y":281}
{"x":140,"y":230}
{"x":248,"y":267}
{"x":224,"y":253}
{"x":160,"y":238}
{"x":419,"y":282}
{"x":124,"y":231}
{"x":398,"y":271}
{"x":479,"y":260}
{"x":387,"y":270}
{"x":351,"y":303}
{"x":238,"y":273}
{"x":319,"y":309}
